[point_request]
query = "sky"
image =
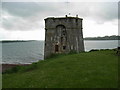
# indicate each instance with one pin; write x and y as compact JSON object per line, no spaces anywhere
{"x":25,"y":20}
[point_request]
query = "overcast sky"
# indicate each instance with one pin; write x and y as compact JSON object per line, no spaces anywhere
{"x":25,"y":20}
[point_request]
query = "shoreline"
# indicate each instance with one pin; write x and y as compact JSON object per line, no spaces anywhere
{"x":4,"y":67}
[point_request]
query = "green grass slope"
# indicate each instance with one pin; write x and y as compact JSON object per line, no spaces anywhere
{"x":98,"y":69}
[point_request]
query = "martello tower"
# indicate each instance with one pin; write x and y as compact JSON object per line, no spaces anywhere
{"x":62,"y":35}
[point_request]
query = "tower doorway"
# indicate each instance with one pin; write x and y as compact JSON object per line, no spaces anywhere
{"x":56,"y":48}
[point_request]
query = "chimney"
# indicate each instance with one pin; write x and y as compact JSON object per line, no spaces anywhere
{"x":77,"y":16}
{"x":66,"y":16}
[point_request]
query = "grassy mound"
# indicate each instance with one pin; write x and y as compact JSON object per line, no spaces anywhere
{"x":98,"y":69}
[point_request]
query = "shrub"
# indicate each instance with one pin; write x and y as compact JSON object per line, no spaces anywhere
{"x":93,"y":50}
{"x":12,"y":70}
{"x":72,"y":52}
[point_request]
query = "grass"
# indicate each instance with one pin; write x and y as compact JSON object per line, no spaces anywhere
{"x":97,"y":69}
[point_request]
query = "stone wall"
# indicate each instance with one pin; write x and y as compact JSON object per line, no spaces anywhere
{"x":63,"y":35}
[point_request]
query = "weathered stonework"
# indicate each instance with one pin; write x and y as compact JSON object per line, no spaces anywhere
{"x":63,"y":35}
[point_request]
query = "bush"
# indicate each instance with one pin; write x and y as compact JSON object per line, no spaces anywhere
{"x":12,"y":70}
{"x":29,"y":68}
{"x":93,"y":50}
{"x":72,"y":52}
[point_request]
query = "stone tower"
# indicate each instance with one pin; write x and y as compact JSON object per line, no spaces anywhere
{"x":62,"y":35}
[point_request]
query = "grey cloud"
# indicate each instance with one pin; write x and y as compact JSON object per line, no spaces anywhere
{"x":30,"y":15}
{"x":23,"y":9}
{"x":26,"y":9}
{"x":18,"y":23}
{"x":119,"y":10}
{"x":101,"y":12}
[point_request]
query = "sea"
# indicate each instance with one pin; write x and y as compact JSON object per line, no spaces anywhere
{"x":33,"y":51}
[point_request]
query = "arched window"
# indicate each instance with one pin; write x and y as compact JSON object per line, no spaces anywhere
{"x":60,"y":30}
{"x":61,"y":36}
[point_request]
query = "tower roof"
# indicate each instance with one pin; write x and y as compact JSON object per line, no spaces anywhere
{"x":67,"y":17}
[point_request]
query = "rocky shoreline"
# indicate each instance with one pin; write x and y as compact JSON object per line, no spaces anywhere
{"x":4,"y":67}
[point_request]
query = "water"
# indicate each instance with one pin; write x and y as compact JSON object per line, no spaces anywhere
{"x":100,"y":44}
{"x":29,"y":52}
{"x":22,"y":52}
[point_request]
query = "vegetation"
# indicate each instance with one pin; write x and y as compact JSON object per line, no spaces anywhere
{"x":95,"y":69}
{"x":114,"y":37}
{"x":10,"y":41}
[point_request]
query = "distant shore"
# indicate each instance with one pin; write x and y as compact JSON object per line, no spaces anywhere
{"x":113,"y":37}
{"x":7,"y":41}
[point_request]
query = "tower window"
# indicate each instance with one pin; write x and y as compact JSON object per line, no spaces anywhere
{"x":64,"y":47}
{"x":56,"y":48}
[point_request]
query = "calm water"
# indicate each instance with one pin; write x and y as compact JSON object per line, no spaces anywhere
{"x":28,"y":52}
{"x":22,"y":52}
{"x":100,"y":44}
